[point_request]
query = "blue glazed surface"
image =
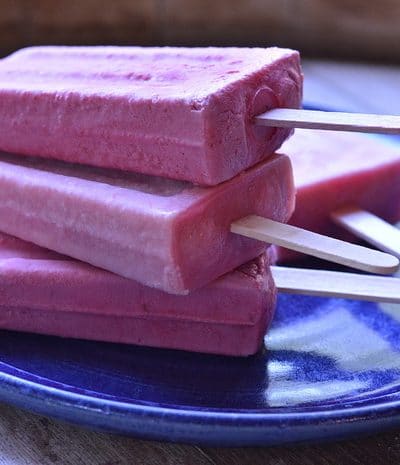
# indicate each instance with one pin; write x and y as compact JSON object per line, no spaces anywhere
{"x":332,"y":368}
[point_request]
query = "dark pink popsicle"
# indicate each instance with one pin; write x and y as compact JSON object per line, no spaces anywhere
{"x":162,"y":233}
{"x":183,"y":113}
{"x":334,"y":170}
{"x":43,"y":293}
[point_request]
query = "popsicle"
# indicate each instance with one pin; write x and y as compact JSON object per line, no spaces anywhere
{"x":182,"y":113}
{"x":337,"y":170}
{"x":162,"y":233}
{"x":44,"y":293}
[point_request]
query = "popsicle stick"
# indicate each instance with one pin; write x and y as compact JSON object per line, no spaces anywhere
{"x":369,"y":227}
{"x":329,"y":120}
{"x":336,"y":284}
{"x":327,"y":248}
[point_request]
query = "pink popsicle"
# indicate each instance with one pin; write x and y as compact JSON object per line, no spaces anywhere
{"x":163,"y":233}
{"x":335,"y":170}
{"x":181,"y":113}
{"x":43,"y":293}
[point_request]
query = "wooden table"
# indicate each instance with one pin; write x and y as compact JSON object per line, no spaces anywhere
{"x":28,"y":439}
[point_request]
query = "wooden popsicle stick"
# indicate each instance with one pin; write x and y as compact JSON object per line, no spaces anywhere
{"x":336,"y":284}
{"x":329,"y":120}
{"x":310,"y":243}
{"x":369,"y":227}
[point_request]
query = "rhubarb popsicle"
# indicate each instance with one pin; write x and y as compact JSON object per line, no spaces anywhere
{"x":335,"y":170}
{"x":182,"y":113}
{"x":163,"y":233}
{"x":48,"y":294}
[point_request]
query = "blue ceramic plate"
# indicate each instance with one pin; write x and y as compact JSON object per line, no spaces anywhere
{"x":332,"y":369}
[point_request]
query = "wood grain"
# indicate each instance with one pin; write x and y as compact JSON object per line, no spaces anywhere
{"x":228,"y":22}
{"x":78,"y":22}
{"x":380,"y":450}
{"x":353,"y":29}
{"x":93,"y":21}
{"x":369,"y":227}
{"x":29,"y":439}
{"x":13,"y":22}
{"x":316,"y":245}
{"x":331,"y":28}
{"x":328,"y":120}
{"x":336,"y":284}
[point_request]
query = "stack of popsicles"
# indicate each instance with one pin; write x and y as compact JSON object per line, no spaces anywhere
{"x":137,"y":161}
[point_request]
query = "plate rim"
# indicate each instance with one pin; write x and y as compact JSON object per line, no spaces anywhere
{"x":191,"y":426}
{"x":37,"y":390}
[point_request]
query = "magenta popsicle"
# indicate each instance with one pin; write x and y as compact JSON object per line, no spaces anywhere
{"x":163,"y":233}
{"x":44,"y":293}
{"x":182,"y":113}
{"x":335,"y":170}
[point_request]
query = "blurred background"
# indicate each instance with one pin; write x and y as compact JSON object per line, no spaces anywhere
{"x":342,"y":29}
